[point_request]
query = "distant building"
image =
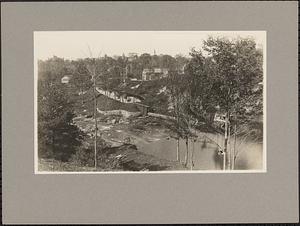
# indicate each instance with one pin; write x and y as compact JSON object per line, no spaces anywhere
{"x":66,"y":79}
{"x":155,"y":73}
{"x":130,"y":98}
{"x":123,"y":97}
{"x":157,"y":70}
{"x":142,"y":108}
{"x":219,"y":118}
{"x":165,"y":72}
{"x":132,"y":56}
{"x":182,"y":69}
{"x":146,"y":74}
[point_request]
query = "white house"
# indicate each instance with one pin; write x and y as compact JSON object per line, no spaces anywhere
{"x":121,"y":97}
{"x":155,"y":73}
{"x":145,"y":74}
{"x":165,"y":72}
{"x":132,"y":99}
{"x":66,"y":79}
{"x":219,"y":118}
{"x":157,"y":70}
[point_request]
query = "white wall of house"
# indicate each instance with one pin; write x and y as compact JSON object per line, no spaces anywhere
{"x":65,"y":80}
{"x":115,"y":96}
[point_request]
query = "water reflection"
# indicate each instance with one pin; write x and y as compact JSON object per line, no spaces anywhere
{"x":206,"y":155}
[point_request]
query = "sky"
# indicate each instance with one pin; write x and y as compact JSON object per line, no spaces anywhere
{"x":81,"y":44}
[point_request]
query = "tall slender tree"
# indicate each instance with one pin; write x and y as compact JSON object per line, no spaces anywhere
{"x":237,"y":70}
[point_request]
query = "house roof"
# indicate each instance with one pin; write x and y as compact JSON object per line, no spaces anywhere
{"x":156,"y":70}
{"x":147,"y":70}
{"x":133,"y":95}
{"x":118,"y":92}
{"x":67,"y":76}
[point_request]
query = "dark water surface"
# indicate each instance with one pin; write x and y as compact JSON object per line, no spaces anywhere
{"x":206,"y":152}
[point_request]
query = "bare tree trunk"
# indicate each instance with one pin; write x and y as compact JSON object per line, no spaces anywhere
{"x":192,"y":154}
{"x":229,"y":150}
{"x":224,"y":160}
{"x":52,"y":146}
{"x":187,"y":152}
{"x":178,"y":150}
{"x":234,"y":144}
{"x":225,"y":140}
{"x":177,"y":119}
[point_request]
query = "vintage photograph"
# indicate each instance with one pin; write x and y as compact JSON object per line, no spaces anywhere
{"x":150,"y":101}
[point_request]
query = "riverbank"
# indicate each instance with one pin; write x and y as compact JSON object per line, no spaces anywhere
{"x":155,"y":136}
{"x":148,"y":144}
{"x":122,"y":158}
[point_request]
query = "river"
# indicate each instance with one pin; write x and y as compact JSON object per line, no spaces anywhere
{"x":250,"y":154}
{"x":156,"y":142}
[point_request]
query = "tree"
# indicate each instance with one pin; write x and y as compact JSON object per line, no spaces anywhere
{"x":197,"y":100}
{"x":53,"y":68}
{"x":58,"y":137}
{"x":81,"y":78}
{"x":145,"y":60}
{"x":179,"y":101}
{"x":226,"y":78}
{"x":121,"y":65}
{"x":236,"y":69}
{"x":181,"y":61}
{"x":202,"y":98}
{"x":175,"y":96}
{"x":186,"y":124}
{"x":167,"y":61}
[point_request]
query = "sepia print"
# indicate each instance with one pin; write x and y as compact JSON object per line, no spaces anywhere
{"x":150,"y":101}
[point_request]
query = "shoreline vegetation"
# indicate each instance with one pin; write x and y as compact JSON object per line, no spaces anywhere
{"x":119,"y":156}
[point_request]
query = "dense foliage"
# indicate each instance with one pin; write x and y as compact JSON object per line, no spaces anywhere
{"x":58,"y":137}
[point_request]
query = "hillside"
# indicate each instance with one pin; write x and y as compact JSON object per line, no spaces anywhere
{"x":84,"y":104}
{"x":153,"y":92}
